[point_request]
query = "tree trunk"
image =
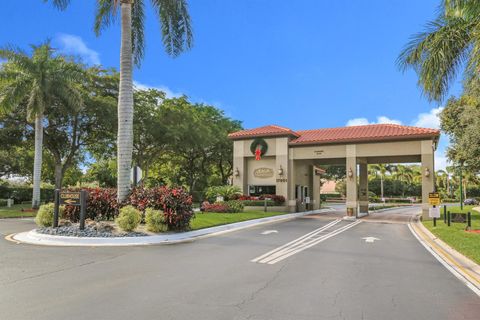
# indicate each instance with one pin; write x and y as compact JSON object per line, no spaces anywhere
{"x":58,"y":175}
{"x":381,"y":187}
{"x":125,"y":104}
{"x":37,"y":164}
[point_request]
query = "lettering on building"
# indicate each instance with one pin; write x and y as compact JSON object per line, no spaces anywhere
{"x":263,"y":173}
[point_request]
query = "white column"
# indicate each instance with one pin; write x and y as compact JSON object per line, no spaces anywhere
{"x":363,"y":192}
{"x":351,"y":170}
{"x":427,"y":182}
{"x":240,"y":165}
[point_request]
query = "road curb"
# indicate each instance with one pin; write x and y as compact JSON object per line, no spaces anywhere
{"x":460,"y":266}
{"x":35,"y":238}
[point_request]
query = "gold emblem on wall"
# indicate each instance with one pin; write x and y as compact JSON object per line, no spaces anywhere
{"x":263,"y":173}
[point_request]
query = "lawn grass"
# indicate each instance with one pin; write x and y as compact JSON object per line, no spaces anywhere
{"x":455,"y":236}
{"x":16,"y":211}
{"x":210,"y":219}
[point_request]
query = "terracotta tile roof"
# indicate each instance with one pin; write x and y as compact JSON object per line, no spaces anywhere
{"x":367,"y":133}
{"x":266,"y":131}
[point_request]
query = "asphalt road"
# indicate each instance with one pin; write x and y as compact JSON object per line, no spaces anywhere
{"x":332,"y":273}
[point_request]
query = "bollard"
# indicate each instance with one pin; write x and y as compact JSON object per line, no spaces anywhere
{"x":449,"y":221}
{"x":469,"y":220}
{"x":445,"y":214}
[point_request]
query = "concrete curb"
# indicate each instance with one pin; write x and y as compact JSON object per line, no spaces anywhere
{"x":32,"y":237}
{"x":460,"y":266}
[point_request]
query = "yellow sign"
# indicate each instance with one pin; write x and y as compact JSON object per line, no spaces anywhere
{"x":434,"y":198}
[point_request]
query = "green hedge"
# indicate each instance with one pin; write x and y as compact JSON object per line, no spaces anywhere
{"x":257,"y":203}
{"x":21,"y":194}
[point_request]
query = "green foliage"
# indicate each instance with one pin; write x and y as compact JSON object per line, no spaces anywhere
{"x":258,"y":203}
{"x":449,"y":43}
{"x":235,"y":206}
{"x":22,"y":194}
{"x":129,"y":218}
{"x":155,"y":220}
{"x":44,"y":217}
{"x":227,"y":192}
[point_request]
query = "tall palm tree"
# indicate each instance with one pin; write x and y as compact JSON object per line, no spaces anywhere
{"x":36,"y":81}
{"x":177,"y":36}
{"x":381,"y":170}
{"x":449,"y":42}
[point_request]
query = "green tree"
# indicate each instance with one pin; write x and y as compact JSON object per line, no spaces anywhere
{"x":36,"y":81}
{"x":177,"y":36}
{"x":450,"y":42}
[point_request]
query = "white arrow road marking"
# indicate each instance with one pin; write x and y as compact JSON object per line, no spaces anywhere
{"x":370,"y":239}
{"x":269,"y":231}
{"x":302,"y":243}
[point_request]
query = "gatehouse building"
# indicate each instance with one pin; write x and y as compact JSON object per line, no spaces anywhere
{"x":277,"y":160}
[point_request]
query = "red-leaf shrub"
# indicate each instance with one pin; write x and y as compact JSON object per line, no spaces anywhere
{"x":101,"y":205}
{"x":218,"y":207}
{"x":177,"y":207}
{"x":175,"y":203}
{"x":279,"y":200}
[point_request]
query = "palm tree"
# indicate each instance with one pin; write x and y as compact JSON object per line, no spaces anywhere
{"x":448,"y":43}
{"x":35,"y":81}
{"x":381,"y":170}
{"x":177,"y":36}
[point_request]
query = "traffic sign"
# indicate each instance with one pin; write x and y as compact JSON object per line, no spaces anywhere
{"x":434,"y":198}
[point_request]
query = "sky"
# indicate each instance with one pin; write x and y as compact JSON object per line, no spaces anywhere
{"x":302,"y":64}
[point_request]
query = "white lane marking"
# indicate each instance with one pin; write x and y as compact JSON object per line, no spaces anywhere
{"x":269,"y":231}
{"x":370,"y":239}
{"x":457,"y":274}
{"x":289,"y":253}
{"x":314,"y":232}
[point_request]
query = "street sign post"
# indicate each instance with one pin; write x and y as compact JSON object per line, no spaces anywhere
{"x":78,"y":199}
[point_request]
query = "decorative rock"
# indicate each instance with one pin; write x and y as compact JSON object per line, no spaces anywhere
{"x":101,"y":229}
{"x":64,"y":223}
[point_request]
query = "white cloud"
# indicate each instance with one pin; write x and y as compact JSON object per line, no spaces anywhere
{"x":365,"y":121}
{"x":429,"y":120}
{"x":168,"y":92}
{"x":357,"y":122}
{"x":74,"y":45}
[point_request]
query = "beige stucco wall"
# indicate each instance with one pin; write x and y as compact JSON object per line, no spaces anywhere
{"x":297,"y":164}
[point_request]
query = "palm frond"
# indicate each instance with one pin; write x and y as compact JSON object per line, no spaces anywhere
{"x":138,"y":42}
{"x":59,"y":4}
{"x":105,"y":15}
{"x":437,"y":54}
{"x":176,"y":26}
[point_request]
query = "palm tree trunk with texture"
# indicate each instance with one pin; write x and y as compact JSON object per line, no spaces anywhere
{"x":125,"y":104}
{"x":37,"y":162}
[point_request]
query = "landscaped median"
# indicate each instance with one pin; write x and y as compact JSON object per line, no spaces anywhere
{"x":467,"y":243}
{"x":33,"y":237}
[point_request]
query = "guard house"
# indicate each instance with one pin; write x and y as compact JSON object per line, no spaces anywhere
{"x":278,"y":160}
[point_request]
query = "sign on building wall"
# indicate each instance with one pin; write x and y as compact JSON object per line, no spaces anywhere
{"x":263,"y":173}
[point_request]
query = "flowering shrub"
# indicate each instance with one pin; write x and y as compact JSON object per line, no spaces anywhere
{"x":101,"y":205}
{"x":219,"y":207}
{"x":44,"y":217}
{"x":231,"y":206}
{"x":177,"y":207}
{"x":175,"y":203}
{"x":277,"y":199}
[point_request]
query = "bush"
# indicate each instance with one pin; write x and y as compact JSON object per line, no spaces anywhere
{"x":101,"y":205}
{"x":44,"y":217}
{"x":218,"y":207}
{"x":227,"y":192}
{"x":3,"y":202}
{"x":155,"y":220}
{"x":277,"y":199}
{"x":22,"y":194}
{"x":129,"y":218}
{"x":258,"y":203}
{"x":235,"y":206}
{"x":177,"y":207}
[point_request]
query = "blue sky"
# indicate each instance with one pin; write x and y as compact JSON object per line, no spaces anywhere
{"x":301,"y":64}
